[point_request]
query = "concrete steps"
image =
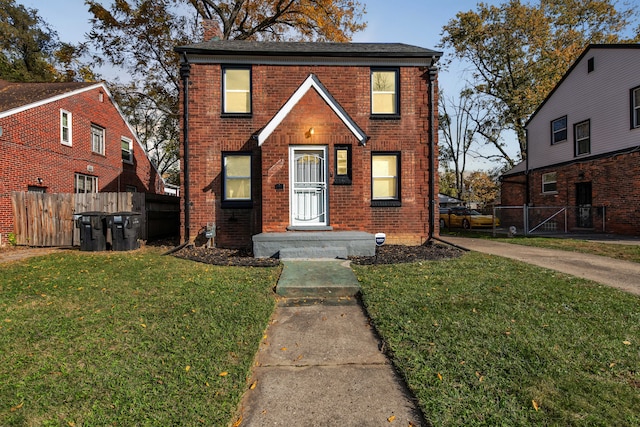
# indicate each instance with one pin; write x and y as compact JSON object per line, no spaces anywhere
{"x":317,"y":279}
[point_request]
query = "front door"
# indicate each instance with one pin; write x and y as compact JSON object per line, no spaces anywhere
{"x":583,"y":202}
{"x":308,"y":172}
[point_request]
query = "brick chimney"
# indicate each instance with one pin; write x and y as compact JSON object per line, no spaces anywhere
{"x":212,"y":30}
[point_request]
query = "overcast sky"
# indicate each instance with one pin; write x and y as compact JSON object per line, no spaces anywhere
{"x":416,"y":22}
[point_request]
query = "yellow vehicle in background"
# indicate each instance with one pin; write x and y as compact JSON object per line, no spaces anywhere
{"x":466,"y":218}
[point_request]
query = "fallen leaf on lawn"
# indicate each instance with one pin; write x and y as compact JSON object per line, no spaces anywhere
{"x":187,"y":368}
{"x":439,"y":376}
{"x":253,"y":385}
{"x":15,"y":408}
{"x":207,"y":384}
{"x":535,"y":405}
{"x":626,"y":342}
{"x":391,"y":418}
{"x":284,"y":349}
{"x":612,"y":364}
{"x":143,"y":325}
{"x":224,"y":374}
{"x":238,"y":422}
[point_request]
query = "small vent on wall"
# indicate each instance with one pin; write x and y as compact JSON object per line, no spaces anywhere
{"x":89,"y":168}
{"x":590,"y":65}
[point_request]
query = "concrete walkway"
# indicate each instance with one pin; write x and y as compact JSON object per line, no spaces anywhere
{"x":623,"y":275}
{"x":320,"y":362}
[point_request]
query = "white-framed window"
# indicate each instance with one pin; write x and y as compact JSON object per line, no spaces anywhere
{"x":85,"y":183}
{"x":127,"y":149}
{"x":582,"y":137}
{"x":236,"y":182}
{"x":66,"y":136}
{"x":550,"y":182}
{"x":559,"y":130}
{"x":97,"y":139}
{"x":236,"y":90}
{"x":385,"y":179}
{"x":635,"y":107}
{"x":384,"y":92}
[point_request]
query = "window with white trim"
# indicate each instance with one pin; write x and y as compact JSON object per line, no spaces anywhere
{"x":550,"y":182}
{"x":97,"y":139}
{"x":582,"y":137}
{"x":236,"y":182}
{"x":65,"y":128}
{"x":85,"y":183}
{"x":635,"y":108}
{"x":127,"y":149}
{"x":384,"y":92}
{"x":385,"y":179}
{"x":559,"y":130}
{"x":236,"y":90}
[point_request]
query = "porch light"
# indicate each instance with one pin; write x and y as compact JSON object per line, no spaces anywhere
{"x":309,"y":133}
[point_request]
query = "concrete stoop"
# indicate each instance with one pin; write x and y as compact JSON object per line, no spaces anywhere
{"x":313,"y":244}
{"x":317,"y":278}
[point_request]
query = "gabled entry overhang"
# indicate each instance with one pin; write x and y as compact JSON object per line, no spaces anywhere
{"x":311,"y":82}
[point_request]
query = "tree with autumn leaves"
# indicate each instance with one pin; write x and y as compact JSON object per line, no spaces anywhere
{"x":519,"y":51}
{"x":140,"y":35}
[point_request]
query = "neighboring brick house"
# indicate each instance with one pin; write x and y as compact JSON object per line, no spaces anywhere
{"x":583,"y":148}
{"x":64,"y":138}
{"x":286,"y":137}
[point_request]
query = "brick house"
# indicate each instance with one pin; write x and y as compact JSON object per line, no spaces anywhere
{"x":64,"y":138}
{"x":295,"y":140}
{"x":583,"y":147}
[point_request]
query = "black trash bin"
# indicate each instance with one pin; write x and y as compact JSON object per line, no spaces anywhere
{"x":93,"y":231}
{"x":125,"y":230}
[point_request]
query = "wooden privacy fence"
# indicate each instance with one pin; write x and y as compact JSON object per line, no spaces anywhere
{"x":48,"y":219}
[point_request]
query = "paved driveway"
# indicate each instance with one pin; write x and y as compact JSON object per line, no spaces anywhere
{"x":623,"y":275}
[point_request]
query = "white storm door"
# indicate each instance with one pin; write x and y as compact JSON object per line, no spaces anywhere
{"x":308,"y":185}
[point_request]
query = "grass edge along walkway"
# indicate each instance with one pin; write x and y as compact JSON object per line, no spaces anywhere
{"x":483,"y":340}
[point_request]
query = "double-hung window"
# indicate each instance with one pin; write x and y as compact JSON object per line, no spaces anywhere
{"x":127,"y":150}
{"x":582,"y":137}
{"x":384,"y":92}
{"x":97,"y":139}
{"x":385,"y":179}
{"x":236,"y":182}
{"x":85,"y":183}
{"x":236,"y":90}
{"x":549,"y":182}
{"x":559,"y":130}
{"x":65,"y":128}
{"x":635,"y":107}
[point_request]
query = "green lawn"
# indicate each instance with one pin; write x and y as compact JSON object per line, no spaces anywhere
{"x":127,"y":339}
{"x":481,"y":338}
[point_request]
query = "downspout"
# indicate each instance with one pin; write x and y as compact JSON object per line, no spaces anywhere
{"x":433,"y":73}
{"x":185,"y":72}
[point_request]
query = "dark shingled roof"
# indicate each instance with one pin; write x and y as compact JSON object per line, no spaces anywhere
{"x":242,"y":47}
{"x":14,"y":95}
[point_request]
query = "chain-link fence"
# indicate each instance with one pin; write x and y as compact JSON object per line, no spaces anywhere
{"x":549,"y":220}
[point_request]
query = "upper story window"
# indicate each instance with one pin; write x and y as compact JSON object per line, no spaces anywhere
{"x":635,"y":107}
{"x":385,"y":179}
{"x":384,"y":92}
{"x":549,"y":182}
{"x":236,"y":90}
{"x":127,"y":150}
{"x":343,"y":165}
{"x":97,"y":139}
{"x":236,"y":182}
{"x":85,"y":183}
{"x":559,"y":130}
{"x":582,"y":137}
{"x":65,"y":128}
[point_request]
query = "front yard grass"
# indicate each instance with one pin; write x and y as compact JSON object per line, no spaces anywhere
{"x":127,"y":339}
{"x":483,"y":340}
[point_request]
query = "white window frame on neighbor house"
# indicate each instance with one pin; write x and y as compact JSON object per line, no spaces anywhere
{"x":389,"y":196}
{"x":240,"y":173}
{"x":582,"y":138}
{"x":549,"y":183}
{"x":97,"y":139}
{"x":81,"y":181}
{"x":66,"y":129}
{"x":559,"y":134}
{"x":635,"y":107}
{"x":377,"y":91}
{"x":127,"y":153}
{"x":236,"y":89}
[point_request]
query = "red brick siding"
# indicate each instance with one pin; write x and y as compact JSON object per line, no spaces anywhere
{"x":30,"y":148}
{"x":350,"y":205}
